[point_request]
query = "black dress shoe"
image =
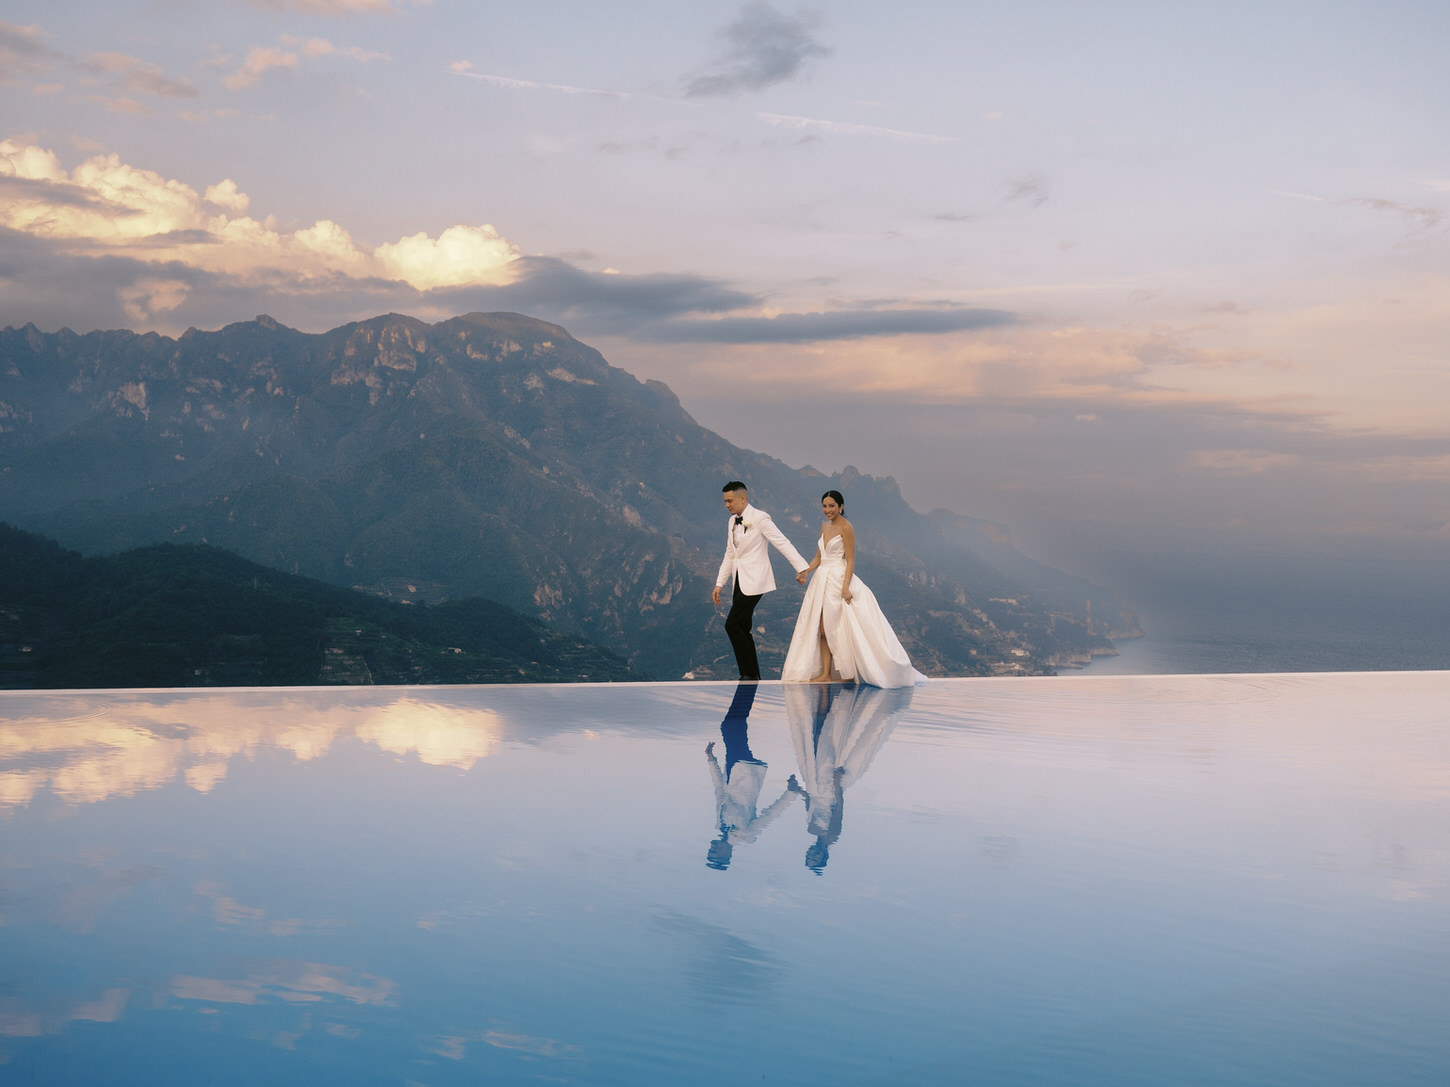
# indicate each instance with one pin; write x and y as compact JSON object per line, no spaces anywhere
{"x":744,"y":676}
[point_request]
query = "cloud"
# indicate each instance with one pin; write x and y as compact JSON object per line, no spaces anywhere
{"x":1086,"y":473}
{"x":321,"y":47}
{"x":1419,"y":219}
{"x":45,"y":281}
{"x":261,"y":59}
{"x":108,"y":244}
{"x":460,"y":255}
{"x":760,"y":48}
{"x":224,"y":194}
{"x":108,"y":208}
{"x":464,"y":68}
{"x":339,"y":7}
{"x":138,"y":76}
{"x":1029,"y":188}
{"x":119,"y":105}
{"x":956,"y":355}
{"x":606,"y":303}
{"x":1244,"y":462}
{"x":24,"y":49}
{"x":144,"y":299}
{"x":832,"y":325}
{"x":845,"y":128}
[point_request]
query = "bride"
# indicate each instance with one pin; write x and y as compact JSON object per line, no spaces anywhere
{"x":841,"y":633}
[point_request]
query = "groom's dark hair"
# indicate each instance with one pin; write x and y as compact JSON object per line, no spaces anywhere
{"x":734,"y":485}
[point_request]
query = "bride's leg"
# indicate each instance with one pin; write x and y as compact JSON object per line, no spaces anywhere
{"x":825,"y":649}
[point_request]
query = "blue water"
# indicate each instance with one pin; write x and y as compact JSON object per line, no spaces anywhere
{"x":1074,"y":880}
{"x":1277,"y":614}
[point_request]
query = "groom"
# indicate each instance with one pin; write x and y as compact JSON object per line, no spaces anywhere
{"x":747,"y":559}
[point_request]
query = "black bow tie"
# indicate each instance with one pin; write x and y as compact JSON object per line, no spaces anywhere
{"x":740,"y":519}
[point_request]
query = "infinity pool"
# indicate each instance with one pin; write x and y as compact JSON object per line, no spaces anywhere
{"x":1075,"y":880}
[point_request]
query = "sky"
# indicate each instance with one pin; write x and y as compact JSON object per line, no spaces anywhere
{"x":1130,"y":277}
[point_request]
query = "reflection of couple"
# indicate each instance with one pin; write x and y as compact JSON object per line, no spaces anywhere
{"x":840,"y":633}
{"x":836,"y":731}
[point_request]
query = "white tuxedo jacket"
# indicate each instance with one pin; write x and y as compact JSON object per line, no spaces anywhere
{"x":748,"y":558}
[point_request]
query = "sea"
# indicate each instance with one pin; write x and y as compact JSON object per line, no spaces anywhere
{"x":1274,"y":613}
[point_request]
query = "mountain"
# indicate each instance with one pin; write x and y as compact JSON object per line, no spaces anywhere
{"x":487,"y":455}
{"x":189,"y":615}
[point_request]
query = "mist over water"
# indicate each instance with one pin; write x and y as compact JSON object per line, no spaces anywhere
{"x":1278,"y":614}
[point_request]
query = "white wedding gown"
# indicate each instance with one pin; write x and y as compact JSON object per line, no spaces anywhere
{"x":863,"y":645}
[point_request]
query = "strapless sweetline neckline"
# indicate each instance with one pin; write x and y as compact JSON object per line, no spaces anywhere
{"x":832,"y":556}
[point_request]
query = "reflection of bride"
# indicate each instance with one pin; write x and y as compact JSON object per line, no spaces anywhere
{"x":841,"y":633}
{"x":837,"y":731}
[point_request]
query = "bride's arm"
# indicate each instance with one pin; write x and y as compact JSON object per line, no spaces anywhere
{"x":848,"y":542}
{"x":815,"y":561}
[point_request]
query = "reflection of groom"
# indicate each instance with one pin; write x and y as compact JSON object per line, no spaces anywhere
{"x":737,"y":790}
{"x":747,"y":560}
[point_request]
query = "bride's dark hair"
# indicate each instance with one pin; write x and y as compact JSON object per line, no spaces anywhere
{"x":840,"y":499}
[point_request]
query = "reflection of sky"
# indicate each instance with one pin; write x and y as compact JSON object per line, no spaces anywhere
{"x":1091,"y":879}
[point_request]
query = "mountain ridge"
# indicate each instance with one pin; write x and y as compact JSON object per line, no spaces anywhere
{"x":485,"y":455}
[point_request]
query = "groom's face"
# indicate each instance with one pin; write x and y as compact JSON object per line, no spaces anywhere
{"x":736,"y":501}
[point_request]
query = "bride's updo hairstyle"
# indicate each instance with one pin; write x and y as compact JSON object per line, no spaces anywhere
{"x":840,"y":499}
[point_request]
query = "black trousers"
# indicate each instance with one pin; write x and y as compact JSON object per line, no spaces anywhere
{"x":738,"y":626}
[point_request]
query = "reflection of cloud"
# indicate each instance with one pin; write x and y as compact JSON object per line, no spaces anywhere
{"x":289,"y":980}
{"x":84,"y":754}
{"x":204,"y":778}
{"x":524,"y":1043}
{"x":722,"y":967}
{"x":227,"y":910}
{"x":455,"y":1046}
{"x":439,"y":735}
{"x":20,"y":1022}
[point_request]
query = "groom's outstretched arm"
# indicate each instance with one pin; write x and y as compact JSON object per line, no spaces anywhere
{"x":777,"y":538}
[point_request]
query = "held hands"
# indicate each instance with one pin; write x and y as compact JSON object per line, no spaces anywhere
{"x":801,"y":577}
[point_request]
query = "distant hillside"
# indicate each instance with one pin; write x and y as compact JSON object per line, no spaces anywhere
{"x":488,"y":455}
{"x":191,"y":616}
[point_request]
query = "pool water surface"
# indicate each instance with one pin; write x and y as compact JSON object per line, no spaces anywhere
{"x":1072,"y":880}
